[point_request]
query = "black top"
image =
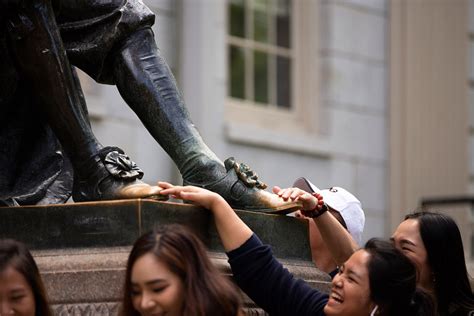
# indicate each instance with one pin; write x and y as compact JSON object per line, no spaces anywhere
{"x":270,"y":285}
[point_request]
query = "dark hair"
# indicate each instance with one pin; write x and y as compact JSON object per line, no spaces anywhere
{"x":443,"y":244}
{"x":207,"y":291}
{"x":392,"y":279}
{"x":15,"y":254}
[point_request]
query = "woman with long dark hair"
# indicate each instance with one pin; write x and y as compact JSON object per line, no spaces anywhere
{"x":169,"y":272}
{"x":433,"y":242}
{"x":375,"y":280}
{"x":22,"y":291}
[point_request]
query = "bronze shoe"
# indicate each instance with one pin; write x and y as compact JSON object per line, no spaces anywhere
{"x":242,"y":189}
{"x":113,"y":176}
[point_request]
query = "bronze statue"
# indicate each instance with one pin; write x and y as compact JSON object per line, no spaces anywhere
{"x":112,"y":41}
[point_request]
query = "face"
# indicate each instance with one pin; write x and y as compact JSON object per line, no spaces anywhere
{"x":16,"y":295}
{"x":350,"y":293}
{"x":155,"y":289}
{"x":407,"y":239}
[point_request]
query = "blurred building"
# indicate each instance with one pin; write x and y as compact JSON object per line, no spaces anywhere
{"x":370,"y":95}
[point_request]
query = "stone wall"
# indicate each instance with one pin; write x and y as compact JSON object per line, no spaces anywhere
{"x":354,"y":89}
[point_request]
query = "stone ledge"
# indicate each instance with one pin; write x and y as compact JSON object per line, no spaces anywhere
{"x":120,"y":223}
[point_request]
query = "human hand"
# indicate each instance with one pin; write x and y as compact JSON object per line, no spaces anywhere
{"x":310,"y":201}
{"x":198,"y":196}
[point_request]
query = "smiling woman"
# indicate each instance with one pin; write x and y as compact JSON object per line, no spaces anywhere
{"x":169,"y":273}
{"x":375,"y":280}
{"x":432,"y":241}
{"x":21,"y":288}
{"x":153,"y":285}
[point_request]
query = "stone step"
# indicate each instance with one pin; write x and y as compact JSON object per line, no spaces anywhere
{"x":89,"y":281}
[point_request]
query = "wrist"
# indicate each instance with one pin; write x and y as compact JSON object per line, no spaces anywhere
{"x":218,"y":202}
{"x":317,"y":211}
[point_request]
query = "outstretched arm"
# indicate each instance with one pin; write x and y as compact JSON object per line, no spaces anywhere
{"x":232,"y":230}
{"x":338,"y":240}
{"x":254,"y":267}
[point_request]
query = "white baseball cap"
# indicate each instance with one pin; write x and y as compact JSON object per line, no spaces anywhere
{"x":340,"y":200}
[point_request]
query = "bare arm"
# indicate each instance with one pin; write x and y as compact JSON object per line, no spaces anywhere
{"x":232,"y":230}
{"x":337,"y":238}
{"x":339,"y":241}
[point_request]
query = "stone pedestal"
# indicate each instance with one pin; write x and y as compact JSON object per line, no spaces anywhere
{"x":82,"y":248}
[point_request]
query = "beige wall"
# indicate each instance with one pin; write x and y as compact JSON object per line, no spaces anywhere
{"x":428,"y":102}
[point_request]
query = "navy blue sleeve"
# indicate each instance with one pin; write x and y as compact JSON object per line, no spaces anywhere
{"x":270,"y":285}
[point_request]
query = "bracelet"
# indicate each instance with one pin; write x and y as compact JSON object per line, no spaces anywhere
{"x":315,"y":213}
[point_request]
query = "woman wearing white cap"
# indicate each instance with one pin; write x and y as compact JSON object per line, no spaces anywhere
{"x":376,"y":280}
{"x":334,"y":236}
{"x":432,"y":241}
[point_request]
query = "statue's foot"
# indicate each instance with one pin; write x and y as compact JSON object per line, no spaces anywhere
{"x":112,"y":176}
{"x":137,"y":189}
{"x":240,"y":187}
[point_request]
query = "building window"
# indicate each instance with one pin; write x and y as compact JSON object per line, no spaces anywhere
{"x":260,"y":53}
{"x":272,"y":72}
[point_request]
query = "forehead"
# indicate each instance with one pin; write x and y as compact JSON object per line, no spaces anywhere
{"x":149,"y":266}
{"x":408,"y":229}
{"x":11,"y":276}
{"x":358,"y":262}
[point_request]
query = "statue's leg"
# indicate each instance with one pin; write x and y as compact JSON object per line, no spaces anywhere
{"x":148,"y":86}
{"x":100,"y":173}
